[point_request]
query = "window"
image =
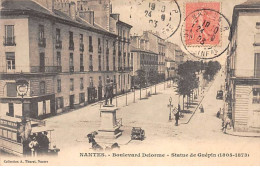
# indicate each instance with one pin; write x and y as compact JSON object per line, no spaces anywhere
{"x":256,"y":95}
{"x":11,"y":89}
{"x":81,"y":38}
{"x":58,"y":35}
{"x":90,"y":63}
{"x":59,"y":102}
{"x":41,"y":32}
{"x":99,"y":45}
{"x":9,"y":35}
{"x":71,"y":60}
{"x":11,"y":109}
{"x":71,"y":42}
{"x":90,"y":44}
{"x":58,"y":85}
{"x":58,"y":59}
{"x":81,"y":59}
{"x":10,"y":60}
{"x":99,"y":81}
{"x":81,"y":97}
{"x":91,"y":83}
{"x":99,"y":62}
{"x":257,"y":65}
{"x":81,"y":83}
{"x":71,"y":84}
{"x":71,"y":36}
{"x":42,"y":87}
{"x":128,"y":79}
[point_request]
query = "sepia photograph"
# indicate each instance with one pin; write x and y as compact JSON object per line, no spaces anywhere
{"x":130,"y":83}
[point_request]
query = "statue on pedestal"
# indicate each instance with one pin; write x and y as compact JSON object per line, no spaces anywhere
{"x":109,"y":93}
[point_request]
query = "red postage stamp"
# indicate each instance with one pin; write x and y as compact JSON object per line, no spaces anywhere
{"x":202,"y":23}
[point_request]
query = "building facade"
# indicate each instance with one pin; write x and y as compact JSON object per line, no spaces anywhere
{"x":243,"y":68}
{"x":63,"y":51}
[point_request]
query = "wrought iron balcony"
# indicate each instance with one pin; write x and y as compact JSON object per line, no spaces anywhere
{"x":42,"y":42}
{"x":45,"y":69}
{"x":9,"y":41}
{"x":71,"y":68}
{"x":81,"y":47}
{"x":91,"y":68}
{"x":58,"y":44}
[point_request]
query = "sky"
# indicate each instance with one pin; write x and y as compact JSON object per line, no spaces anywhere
{"x":136,"y":13}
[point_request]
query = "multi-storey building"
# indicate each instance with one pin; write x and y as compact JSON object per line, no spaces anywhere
{"x":157,"y":45}
{"x":143,"y":58}
{"x":61,"y":50}
{"x":243,"y":68}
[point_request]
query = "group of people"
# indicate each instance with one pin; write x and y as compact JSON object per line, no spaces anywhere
{"x":37,"y":144}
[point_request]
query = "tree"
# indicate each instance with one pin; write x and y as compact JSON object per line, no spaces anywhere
{"x":211,"y":70}
{"x":153,"y":77}
{"x":141,"y":79}
{"x":187,"y":79}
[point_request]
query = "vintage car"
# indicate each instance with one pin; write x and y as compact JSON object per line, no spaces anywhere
{"x":137,"y":133}
{"x":13,"y":131}
{"x":219,"y":95}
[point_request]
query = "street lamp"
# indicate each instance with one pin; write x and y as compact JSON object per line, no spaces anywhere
{"x":22,"y":89}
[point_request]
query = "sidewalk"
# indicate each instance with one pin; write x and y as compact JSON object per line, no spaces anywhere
{"x":242,"y":134}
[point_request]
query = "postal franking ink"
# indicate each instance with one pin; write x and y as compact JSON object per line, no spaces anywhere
{"x":205,"y":30}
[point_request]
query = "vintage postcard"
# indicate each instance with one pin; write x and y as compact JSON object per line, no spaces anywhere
{"x":130,"y":83}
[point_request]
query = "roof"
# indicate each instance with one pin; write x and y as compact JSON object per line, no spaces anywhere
{"x":134,"y":49}
{"x":248,"y":6}
{"x":24,"y":7}
{"x":125,"y":24}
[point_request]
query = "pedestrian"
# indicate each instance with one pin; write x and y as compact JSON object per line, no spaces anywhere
{"x":218,"y":113}
{"x":177,"y":115}
{"x":46,"y":142}
{"x":201,"y":108}
{"x":227,"y":123}
{"x":34,"y":146}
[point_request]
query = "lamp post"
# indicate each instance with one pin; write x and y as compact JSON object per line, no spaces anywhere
{"x":22,"y":89}
{"x":170,"y":106}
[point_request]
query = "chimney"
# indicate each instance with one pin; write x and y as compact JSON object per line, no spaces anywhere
{"x":72,"y":11}
{"x":87,"y":16}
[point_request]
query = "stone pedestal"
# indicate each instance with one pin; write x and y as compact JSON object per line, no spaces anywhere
{"x":108,"y":127}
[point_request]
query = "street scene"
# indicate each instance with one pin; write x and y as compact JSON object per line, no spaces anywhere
{"x":110,"y":82}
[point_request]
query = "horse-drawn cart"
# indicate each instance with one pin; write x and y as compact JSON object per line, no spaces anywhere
{"x":137,"y":133}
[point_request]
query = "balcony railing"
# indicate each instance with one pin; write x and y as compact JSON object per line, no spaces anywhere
{"x":81,"y":47}
{"x":42,"y":42}
{"x":58,"y":44}
{"x":71,"y":45}
{"x":90,"y":48}
{"x":91,"y":68}
{"x":9,"y":41}
{"x":81,"y":68}
{"x":45,"y":69}
{"x":120,"y":68}
{"x":71,"y":68}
